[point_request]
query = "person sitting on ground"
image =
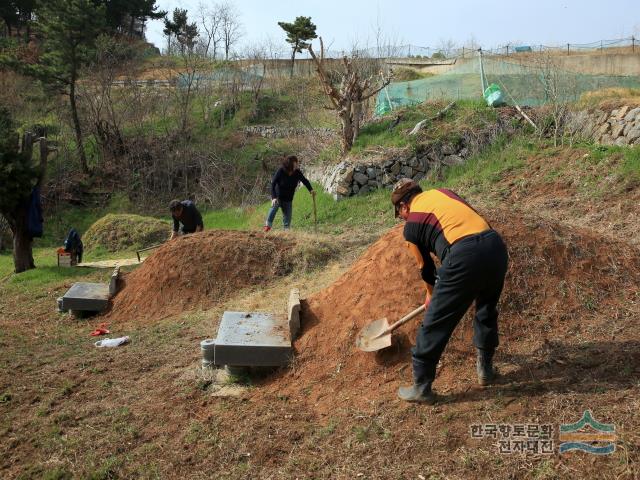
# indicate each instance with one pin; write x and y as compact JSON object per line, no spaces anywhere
{"x":474,"y":262}
{"x":283,"y":188}
{"x":187,"y":214}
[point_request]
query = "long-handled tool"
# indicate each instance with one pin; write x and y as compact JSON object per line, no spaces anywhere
{"x":138,"y":252}
{"x":377,"y":335}
{"x":315,"y":214}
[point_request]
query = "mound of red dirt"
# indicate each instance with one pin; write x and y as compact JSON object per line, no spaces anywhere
{"x":559,"y":282}
{"x":198,"y":271}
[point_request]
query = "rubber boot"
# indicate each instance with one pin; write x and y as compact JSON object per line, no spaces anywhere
{"x":418,"y":392}
{"x":484,"y":367}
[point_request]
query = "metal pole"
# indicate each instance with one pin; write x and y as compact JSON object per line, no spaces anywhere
{"x":567,"y":49}
{"x":633,"y":43}
{"x":462,"y":52}
{"x":481,"y":71}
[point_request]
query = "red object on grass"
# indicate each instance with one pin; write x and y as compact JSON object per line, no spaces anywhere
{"x":101,"y":330}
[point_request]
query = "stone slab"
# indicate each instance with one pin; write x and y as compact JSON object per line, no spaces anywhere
{"x":252,"y":340}
{"x":86,"y":297}
{"x":113,"y":282}
{"x":293,"y":312}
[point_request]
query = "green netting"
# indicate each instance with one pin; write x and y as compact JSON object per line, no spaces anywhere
{"x":531,"y":82}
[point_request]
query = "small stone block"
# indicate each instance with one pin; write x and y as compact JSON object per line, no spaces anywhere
{"x":293,"y":312}
{"x":113,"y":282}
{"x":88,"y":297}
{"x":252,"y":340}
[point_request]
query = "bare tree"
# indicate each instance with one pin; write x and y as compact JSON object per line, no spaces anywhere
{"x":471,"y":43}
{"x":104,"y":112}
{"x":558,"y":87}
{"x":210,"y":18}
{"x":231,"y":27}
{"x":386,"y":46}
{"x":255,"y":71}
{"x":446,"y":47}
{"x":347,"y":98}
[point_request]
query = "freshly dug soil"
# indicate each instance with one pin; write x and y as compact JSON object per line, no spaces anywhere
{"x":198,"y":271}
{"x":559,"y":281}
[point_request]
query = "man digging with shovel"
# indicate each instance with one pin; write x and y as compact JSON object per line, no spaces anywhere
{"x":474,"y":263}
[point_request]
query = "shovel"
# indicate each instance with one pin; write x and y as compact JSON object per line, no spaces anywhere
{"x":377,"y":335}
{"x":138,"y":252}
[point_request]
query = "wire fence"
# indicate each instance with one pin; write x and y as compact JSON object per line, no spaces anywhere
{"x":416,"y":51}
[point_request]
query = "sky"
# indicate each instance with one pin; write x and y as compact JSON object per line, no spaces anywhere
{"x":344,"y":23}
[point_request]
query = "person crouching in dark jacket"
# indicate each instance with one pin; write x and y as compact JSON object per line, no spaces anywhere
{"x":186,"y":214}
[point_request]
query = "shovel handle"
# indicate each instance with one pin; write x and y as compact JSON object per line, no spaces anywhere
{"x":315,"y":213}
{"x":405,"y":319}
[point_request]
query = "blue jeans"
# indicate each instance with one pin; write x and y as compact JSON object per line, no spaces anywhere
{"x":287,"y":209}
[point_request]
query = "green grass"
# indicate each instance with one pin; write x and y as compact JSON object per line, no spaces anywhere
{"x":621,"y":161}
{"x":481,"y":171}
{"x":46,"y":272}
{"x":630,"y":166}
{"x":478,"y":173}
{"x":58,"y":223}
{"x":466,"y":114}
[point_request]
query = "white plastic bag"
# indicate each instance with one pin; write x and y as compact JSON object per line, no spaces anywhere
{"x":112,"y":342}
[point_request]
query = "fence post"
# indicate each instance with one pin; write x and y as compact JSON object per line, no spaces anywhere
{"x":601,"y":45}
{"x":567,"y":49}
{"x":507,"y":50}
{"x":633,"y":44}
{"x":462,"y":52}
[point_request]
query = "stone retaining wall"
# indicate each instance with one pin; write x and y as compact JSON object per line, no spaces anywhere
{"x":356,"y":176}
{"x":620,"y":126}
{"x":352,"y":178}
{"x":270,"y":131}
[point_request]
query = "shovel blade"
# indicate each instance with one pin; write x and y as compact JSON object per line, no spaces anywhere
{"x":372,"y":337}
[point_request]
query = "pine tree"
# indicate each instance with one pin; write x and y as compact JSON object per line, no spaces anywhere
{"x":69,"y":30}
{"x":122,"y":15}
{"x":298,"y":34}
{"x":184,"y":32}
{"x":17,"y":178}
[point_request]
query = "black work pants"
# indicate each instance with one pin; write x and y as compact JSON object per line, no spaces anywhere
{"x":473,"y":269}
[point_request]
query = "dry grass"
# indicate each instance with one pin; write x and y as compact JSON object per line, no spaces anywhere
{"x":609,"y":98}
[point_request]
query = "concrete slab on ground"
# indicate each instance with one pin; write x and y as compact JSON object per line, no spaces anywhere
{"x":86,"y":297}
{"x":253,"y":339}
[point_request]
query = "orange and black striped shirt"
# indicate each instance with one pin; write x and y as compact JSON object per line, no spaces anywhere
{"x":437,"y":219}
